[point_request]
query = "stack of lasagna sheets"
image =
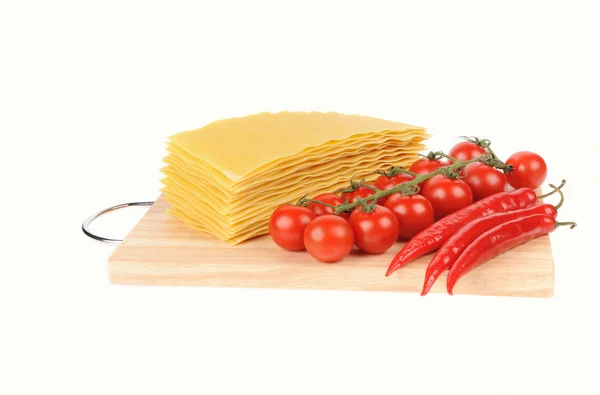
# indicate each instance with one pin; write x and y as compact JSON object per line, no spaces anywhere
{"x":226,"y":178}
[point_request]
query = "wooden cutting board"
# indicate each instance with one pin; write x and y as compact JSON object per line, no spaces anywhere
{"x":161,"y":250}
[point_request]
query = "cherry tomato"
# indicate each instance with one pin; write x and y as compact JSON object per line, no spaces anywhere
{"x":329,"y":198}
{"x":360,"y":192}
{"x":424,"y":166}
{"x":374,"y":232}
{"x":383,"y":182}
{"x":414,"y":213}
{"x":447,"y":195}
{"x":465,"y":150}
{"x":401,"y":178}
{"x":328,"y":238}
{"x":484,"y":180}
{"x":287,"y":225}
{"x":529,"y":170}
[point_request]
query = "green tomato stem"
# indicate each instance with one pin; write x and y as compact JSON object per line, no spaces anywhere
{"x":419,"y":178}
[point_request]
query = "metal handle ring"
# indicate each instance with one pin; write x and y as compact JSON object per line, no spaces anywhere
{"x":86,"y":224}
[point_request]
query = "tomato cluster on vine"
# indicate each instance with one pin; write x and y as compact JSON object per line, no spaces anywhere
{"x":406,"y":201}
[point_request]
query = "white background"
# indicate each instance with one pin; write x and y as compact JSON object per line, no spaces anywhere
{"x":89,"y":91}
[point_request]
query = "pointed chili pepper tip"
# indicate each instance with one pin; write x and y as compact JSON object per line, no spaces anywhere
{"x":390,"y":270}
{"x":427,"y":285}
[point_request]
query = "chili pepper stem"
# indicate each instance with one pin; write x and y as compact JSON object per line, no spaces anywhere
{"x":570,"y":224}
{"x":562,"y":196}
{"x":555,"y":189}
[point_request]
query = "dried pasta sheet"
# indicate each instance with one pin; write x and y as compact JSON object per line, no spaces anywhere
{"x":227,"y":177}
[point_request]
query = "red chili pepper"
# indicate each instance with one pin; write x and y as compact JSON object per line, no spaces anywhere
{"x":498,"y":240}
{"x":434,"y":236}
{"x":451,"y":250}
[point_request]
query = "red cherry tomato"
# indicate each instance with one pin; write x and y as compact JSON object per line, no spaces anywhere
{"x":383,"y":182}
{"x":447,"y":195}
{"x":329,"y":198}
{"x":465,"y":150}
{"x":374,"y":232}
{"x":414,"y":213}
{"x":484,"y":180}
{"x":424,"y":166}
{"x":346,"y":197}
{"x":287,"y":225}
{"x":360,"y":192}
{"x":401,"y":178}
{"x":529,"y":170}
{"x":328,"y":238}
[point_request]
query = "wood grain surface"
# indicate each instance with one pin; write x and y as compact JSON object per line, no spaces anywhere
{"x":161,"y":250}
